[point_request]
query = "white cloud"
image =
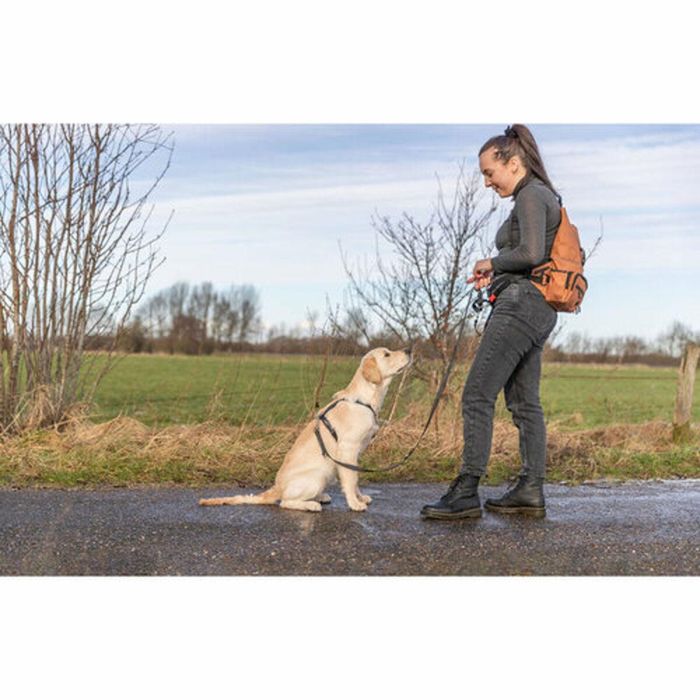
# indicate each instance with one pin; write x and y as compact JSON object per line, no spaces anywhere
{"x":311,"y":200}
{"x":645,"y":172}
{"x":668,"y":255}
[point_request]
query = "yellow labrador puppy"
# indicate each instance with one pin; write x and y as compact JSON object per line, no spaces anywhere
{"x":302,"y":479}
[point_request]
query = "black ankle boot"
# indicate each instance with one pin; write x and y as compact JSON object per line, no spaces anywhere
{"x":460,"y":501}
{"x":526,"y":498}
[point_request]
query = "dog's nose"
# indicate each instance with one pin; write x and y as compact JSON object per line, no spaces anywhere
{"x":408,"y":350}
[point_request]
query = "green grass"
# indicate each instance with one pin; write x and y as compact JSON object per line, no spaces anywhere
{"x":271,"y":389}
{"x":231,"y":419}
{"x":255,"y":389}
{"x":600,"y":395}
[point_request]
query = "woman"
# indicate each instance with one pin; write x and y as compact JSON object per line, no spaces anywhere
{"x":510,"y":353}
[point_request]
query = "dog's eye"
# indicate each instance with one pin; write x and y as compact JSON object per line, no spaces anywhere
{"x":386,"y":354}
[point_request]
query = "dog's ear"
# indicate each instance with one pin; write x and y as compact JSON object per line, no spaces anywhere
{"x":370,"y":371}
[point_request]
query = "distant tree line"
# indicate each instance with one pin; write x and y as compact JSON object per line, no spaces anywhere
{"x":199,"y":320}
{"x":352,"y":338}
{"x":665,"y":349}
{"x":193,"y":320}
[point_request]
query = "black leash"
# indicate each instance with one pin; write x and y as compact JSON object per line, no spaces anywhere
{"x":477,"y":306}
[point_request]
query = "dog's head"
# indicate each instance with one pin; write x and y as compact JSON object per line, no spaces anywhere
{"x":380,"y":364}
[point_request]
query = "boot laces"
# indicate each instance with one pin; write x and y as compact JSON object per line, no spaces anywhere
{"x":453,"y":486}
{"x":514,"y":482}
{"x":457,"y":482}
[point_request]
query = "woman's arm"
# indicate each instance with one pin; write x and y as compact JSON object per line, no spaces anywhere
{"x":531,"y":212}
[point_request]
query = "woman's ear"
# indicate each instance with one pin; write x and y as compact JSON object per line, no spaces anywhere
{"x":370,"y":371}
{"x":514,"y":163}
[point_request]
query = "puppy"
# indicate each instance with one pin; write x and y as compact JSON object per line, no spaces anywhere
{"x":305,"y":473}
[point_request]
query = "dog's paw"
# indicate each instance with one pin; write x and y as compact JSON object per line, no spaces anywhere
{"x":358,"y":506}
{"x":301,"y":505}
{"x":324,"y":498}
{"x":364,"y":498}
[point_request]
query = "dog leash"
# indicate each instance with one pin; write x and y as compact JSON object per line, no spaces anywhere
{"x":477,"y":306}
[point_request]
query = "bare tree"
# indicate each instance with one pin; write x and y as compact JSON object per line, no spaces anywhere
{"x":177,"y":296}
{"x":154,"y":315}
{"x":249,"y":312}
{"x":420,"y":293}
{"x":74,"y":256}
{"x":231,"y":314}
{"x":220,"y":311}
{"x":357,"y":325}
{"x":674,"y":340}
{"x":200,"y":305}
{"x":184,"y":335}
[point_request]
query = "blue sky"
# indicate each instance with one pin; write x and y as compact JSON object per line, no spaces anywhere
{"x":270,"y":205}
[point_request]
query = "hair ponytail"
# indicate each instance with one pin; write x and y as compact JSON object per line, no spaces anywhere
{"x":518,"y":140}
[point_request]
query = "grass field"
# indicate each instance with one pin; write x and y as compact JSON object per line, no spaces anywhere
{"x":270,"y":390}
{"x":231,"y":419}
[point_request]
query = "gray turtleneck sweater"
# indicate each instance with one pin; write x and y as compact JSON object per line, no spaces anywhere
{"x":525,"y":238}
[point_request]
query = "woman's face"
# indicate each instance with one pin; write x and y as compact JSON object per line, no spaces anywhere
{"x":499,"y":176}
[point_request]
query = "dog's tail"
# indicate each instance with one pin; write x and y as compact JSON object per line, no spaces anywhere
{"x":272,"y":495}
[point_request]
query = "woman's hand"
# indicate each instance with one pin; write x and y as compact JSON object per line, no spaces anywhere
{"x":482,"y":274}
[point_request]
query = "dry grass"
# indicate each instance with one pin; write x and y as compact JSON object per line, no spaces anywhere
{"x":123,"y":452}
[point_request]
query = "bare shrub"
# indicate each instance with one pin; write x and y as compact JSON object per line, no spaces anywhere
{"x":74,"y":257}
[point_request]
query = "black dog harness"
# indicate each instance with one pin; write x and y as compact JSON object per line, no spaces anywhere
{"x":322,"y":418}
{"x":327,"y":423}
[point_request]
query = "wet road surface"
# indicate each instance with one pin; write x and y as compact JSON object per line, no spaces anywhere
{"x":637,"y":528}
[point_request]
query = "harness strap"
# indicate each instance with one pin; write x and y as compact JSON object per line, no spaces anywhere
{"x":323,"y":418}
{"x":328,"y":425}
{"x":374,"y":413}
{"x":325,"y":453}
{"x":355,"y":467}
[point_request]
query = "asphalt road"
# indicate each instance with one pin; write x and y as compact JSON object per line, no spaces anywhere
{"x":637,"y":528}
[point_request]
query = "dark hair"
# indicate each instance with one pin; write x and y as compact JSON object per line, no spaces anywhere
{"x":519,"y":141}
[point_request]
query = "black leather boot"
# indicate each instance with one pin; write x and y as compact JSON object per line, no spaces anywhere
{"x":460,"y":501}
{"x":526,"y":498}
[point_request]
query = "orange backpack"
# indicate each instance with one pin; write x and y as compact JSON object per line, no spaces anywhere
{"x":561,"y":278}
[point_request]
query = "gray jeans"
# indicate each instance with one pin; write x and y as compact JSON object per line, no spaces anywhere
{"x":509,"y":357}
